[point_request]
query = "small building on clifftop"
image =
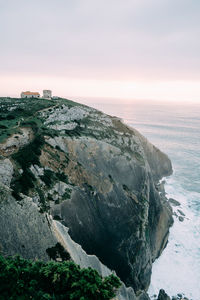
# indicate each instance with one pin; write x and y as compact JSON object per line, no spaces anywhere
{"x":29,"y":94}
{"x":47,"y":94}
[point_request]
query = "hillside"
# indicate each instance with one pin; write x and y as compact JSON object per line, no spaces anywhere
{"x":72,"y":174}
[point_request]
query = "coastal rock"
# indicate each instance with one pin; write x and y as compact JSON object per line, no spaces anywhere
{"x":80,"y":257}
{"x":181,"y":219}
{"x":180,"y":212}
{"x":161,"y":187}
{"x":6,"y":171}
{"x":159,"y":163}
{"x":180,"y":297}
{"x":174,"y":202}
{"x":99,"y":178}
{"x":163,"y":296}
{"x":114,"y":183}
{"x":24,"y":230}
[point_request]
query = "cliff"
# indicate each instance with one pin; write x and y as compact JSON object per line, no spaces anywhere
{"x":90,"y":172}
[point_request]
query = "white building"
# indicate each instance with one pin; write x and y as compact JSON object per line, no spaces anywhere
{"x":47,"y":94}
{"x":29,"y":94}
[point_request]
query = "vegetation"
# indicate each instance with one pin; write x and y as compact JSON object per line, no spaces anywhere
{"x":22,"y":183}
{"x":58,"y":252}
{"x":29,"y":155}
{"x":67,"y":194}
{"x":62,"y":177}
{"x":25,"y":157}
{"x":13,"y":112}
{"x":16,"y":112}
{"x":44,"y":204}
{"x":48,"y":177}
{"x":126,"y":188}
{"x":74,"y":132}
{"x":23,"y":279}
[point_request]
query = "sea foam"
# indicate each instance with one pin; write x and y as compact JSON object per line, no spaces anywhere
{"x":178,"y":268}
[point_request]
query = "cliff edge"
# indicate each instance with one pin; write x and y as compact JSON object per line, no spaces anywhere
{"x":90,"y":172}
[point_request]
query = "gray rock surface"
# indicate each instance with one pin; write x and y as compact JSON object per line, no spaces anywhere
{"x":181,"y":213}
{"x":6,"y":171}
{"x":174,"y":202}
{"x":80,"y":257}
{"x":16,"y":141}
{"x":99,"y":177}
{"x":122,"y":211}
{"x":163,"y":296}
{"x":24,"y":230}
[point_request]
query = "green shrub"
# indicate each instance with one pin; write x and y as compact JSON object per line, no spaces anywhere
{"x":57,"y":218}
{"x":23,"y":279}
{"x":48,"y":177}
{"x":44,"y":202}
{"x":3,"y":127}
{"x":58,"y":252}
{"x":62,"y":177}
{"x":29,"y":155}
{"x":23,"y":183}
{"x":58,"y":148}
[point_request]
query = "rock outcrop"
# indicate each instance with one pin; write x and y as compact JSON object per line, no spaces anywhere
{"x":79,"y":256}
{"x":163,"y":296}
{"x":90,"y":172}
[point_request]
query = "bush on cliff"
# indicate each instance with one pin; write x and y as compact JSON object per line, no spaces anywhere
{"x":25,"y":279}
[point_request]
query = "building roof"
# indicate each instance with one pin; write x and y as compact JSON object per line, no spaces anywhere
{"x":30,"y":93}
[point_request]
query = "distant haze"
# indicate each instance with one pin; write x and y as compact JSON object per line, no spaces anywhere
{"x":133,"y":49}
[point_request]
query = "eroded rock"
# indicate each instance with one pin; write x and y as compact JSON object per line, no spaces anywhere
{"x":163,"y":296}
{"x":174,"y":202}
{"x":6,"y":171}
{"x":114,"y":210}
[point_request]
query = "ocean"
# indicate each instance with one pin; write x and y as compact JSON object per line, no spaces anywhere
{"x":174,"y":129}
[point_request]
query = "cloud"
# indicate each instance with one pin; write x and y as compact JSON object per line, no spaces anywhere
{"x":112,"y":39}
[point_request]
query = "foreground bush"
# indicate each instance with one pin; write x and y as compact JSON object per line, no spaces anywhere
{"x":24,"y":279}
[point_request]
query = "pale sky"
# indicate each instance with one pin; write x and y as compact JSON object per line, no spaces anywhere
{"x":131,"y":49}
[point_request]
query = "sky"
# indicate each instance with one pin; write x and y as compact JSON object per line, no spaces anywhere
{"x":123,"y":49}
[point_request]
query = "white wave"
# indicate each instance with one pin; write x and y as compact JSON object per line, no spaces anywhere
{"x":178,"y":268}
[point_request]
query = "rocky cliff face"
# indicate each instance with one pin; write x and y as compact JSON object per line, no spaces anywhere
{"x":90,"y":172}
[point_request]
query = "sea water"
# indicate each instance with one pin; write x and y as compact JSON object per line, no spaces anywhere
{"x":174,"y":129}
